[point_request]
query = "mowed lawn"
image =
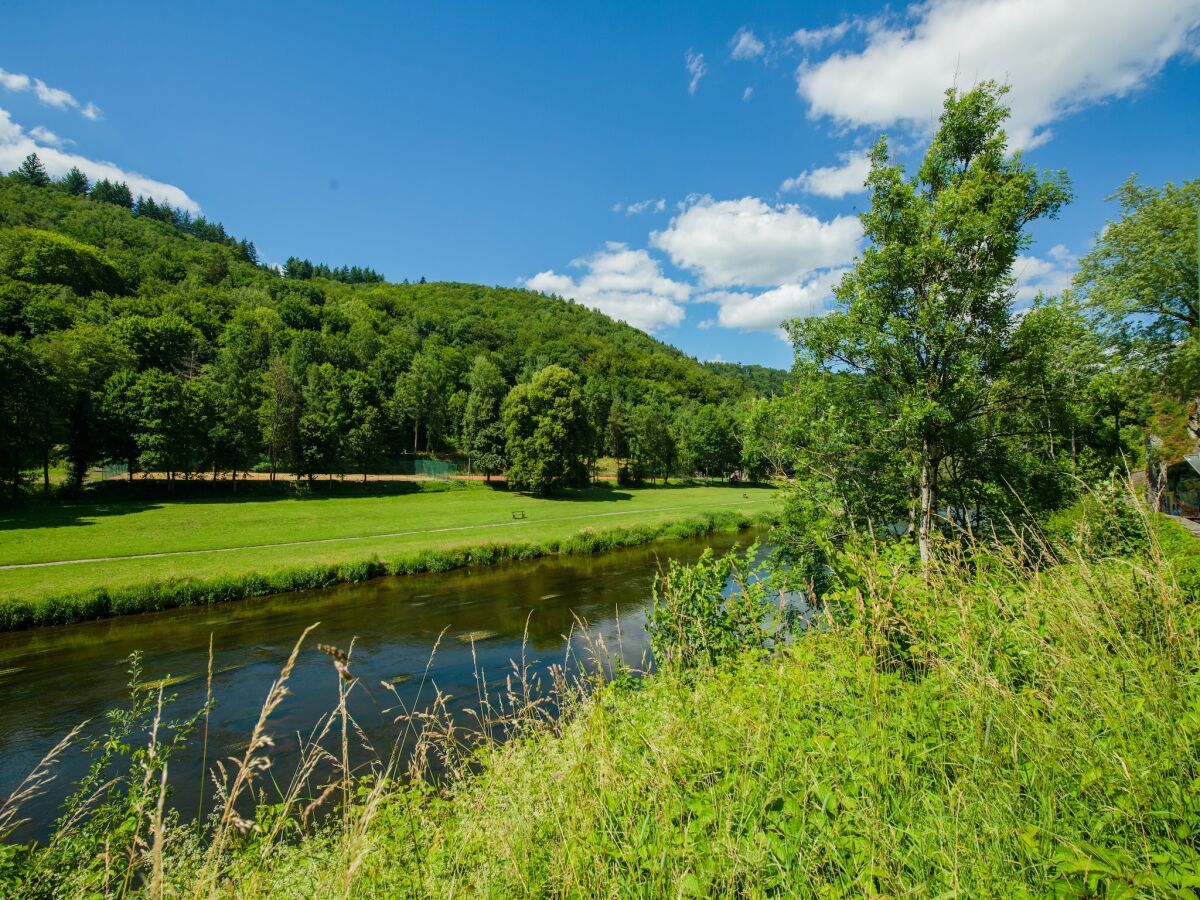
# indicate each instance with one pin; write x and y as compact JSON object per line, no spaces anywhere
{"x":350,"y":529}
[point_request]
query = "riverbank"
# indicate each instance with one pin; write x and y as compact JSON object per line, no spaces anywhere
{"x":1013,"y":725}
{"x":73,"y":563}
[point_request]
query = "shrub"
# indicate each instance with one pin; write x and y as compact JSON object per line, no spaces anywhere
{"x":714,"y":611}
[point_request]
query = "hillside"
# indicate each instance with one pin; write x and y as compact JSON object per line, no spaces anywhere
{"x":166,"y":345}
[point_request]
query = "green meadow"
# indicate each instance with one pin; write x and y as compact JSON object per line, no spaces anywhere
{"x":109,"y":546}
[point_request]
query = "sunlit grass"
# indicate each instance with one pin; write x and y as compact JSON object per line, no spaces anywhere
{"x":473,"y":516}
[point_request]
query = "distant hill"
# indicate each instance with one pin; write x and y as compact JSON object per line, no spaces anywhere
{"x":124,"y":303}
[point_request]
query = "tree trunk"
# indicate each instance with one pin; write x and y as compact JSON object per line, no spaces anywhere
{"x":928,"y":488}
{"x":46,"y":472}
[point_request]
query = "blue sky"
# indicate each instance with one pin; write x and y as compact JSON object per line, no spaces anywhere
{"x":692,"y":168}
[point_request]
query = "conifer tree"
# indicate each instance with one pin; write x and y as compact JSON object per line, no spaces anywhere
{"x":75,"y":182}
{"x":32,"y":171}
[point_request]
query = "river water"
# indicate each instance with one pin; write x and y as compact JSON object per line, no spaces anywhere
{"x":482,"y":619}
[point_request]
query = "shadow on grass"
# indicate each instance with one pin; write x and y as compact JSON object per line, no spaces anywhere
{"x":61,"y":515}
{"x":116,"y":498}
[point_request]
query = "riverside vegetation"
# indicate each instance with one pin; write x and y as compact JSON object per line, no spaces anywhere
{"x":1022,"y":719}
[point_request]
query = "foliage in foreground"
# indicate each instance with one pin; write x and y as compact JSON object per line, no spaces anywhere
{"x":1011,"y":726}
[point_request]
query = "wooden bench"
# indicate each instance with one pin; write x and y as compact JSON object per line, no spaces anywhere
{"x":518,"y":514}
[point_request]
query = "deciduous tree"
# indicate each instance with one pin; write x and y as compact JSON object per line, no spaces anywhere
{"x":924,"y":317}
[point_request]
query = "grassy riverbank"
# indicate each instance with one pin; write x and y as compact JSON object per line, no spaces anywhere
{"x":204,"y":551}
{"x":1013,"y":727}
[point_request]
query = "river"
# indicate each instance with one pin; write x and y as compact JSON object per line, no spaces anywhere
{"x":52,"y":679}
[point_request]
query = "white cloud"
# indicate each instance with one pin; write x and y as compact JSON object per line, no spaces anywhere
{"x":13,"y":81}
{"x":747,"y":242}
{"x":768,"y":310}
{"x":44,"y":135}
{"x":641,"y":206}
{"x":626,"y":284}
{"x":53,"y":96}
{"x":747,"y":93}
{"x":814,"y":38}
{"x":16,"y":144}
{"x":833,"y":181}
{"x":1058,"y":55}
{"x":50,"y":96}
{"x":744,"y":45}
{"x":696,"y":69}
{"x":1043,"y":276}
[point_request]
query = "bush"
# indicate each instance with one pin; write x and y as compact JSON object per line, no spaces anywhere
{"x":714,"y":611}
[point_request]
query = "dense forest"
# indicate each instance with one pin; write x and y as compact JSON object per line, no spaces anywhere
{"x":137,"y":336}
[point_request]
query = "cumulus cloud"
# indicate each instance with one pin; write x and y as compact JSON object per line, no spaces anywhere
{"x":747,"y":242}
{"x":744,"y":45}
{"x":626,"y":284}
{"x":1058,"y":55}
{"x":768,"y":310}
{"x":833,"y":181}
{"x":1049,"y":277}
{"x":50,"y":96}
{"x":696,"y":70}
{"x":16,"y":144}
{"x":641,"y":206}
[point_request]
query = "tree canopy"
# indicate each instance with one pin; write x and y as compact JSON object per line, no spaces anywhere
{"x":924,"y":317}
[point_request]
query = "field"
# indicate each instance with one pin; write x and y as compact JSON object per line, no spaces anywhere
{"x":57,"y":550}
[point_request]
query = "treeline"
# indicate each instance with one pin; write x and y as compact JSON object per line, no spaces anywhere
{"x":74,"y":182}
{"x":304,"y":269}
{"x":128,"y":340}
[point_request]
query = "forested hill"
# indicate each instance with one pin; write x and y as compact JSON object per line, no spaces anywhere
{"x":169,"y":345}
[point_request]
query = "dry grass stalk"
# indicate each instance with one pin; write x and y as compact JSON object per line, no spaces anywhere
{"x":254,"y":760}
{"x":33,"y":784}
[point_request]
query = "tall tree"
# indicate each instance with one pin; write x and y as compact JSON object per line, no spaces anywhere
{"x":116,"y":193}
{"x":31,"y":171}
{"x":279,"y":415}
{"x":1142,"y":280}
{"x":27,"y":412}
{"x":546,"y":425}
{"x":83,"y":359}
{"x":705,"y":439}
{"x":1141,"y":275}
{"x":75,"y":182}
{"x":924,"y":315}
{"x":486,"y":389}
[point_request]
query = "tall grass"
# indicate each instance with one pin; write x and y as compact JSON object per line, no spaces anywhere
{"x":98,"y":603}
{"x":1021,"y":720}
